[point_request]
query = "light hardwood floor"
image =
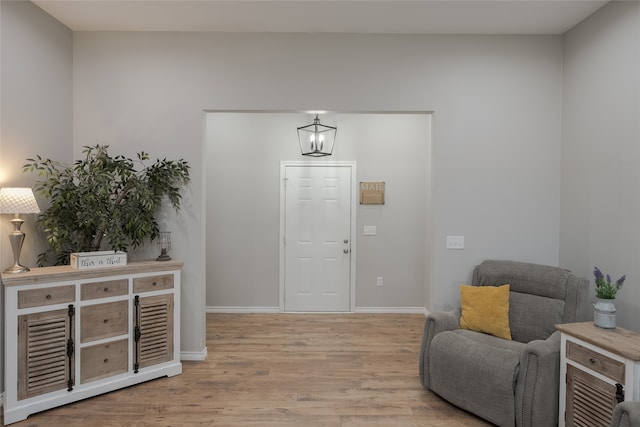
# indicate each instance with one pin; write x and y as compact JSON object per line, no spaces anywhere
{"x":283,"y":370}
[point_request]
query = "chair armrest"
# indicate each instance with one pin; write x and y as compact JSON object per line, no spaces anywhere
{"x":537,"y":387}
{"x":626,"y":414}
{"x":434,"y":324}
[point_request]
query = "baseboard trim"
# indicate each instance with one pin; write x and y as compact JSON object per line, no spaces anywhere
{"x":393,"y":310}
{"x":216,"y":309}
{"x":1,"y":400}
{"x":388,"y":310}
{"x":194,"y":356}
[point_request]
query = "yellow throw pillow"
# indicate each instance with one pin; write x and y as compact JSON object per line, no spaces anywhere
{"x":485,"y":309}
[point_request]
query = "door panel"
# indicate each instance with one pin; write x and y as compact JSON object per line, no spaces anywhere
{"x":153,"y":330}
{"x":317,"y":224}
{"x":44,"y":357}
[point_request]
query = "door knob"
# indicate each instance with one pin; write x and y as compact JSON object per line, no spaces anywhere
{"x":346,"y":241}
{"x":346,"y":251}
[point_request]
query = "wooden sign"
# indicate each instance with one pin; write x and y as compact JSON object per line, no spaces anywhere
{"x":372,"y":193}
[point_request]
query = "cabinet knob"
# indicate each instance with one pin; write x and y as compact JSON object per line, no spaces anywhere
{"x":106,"y":321}
{"x":48,"y":296}
{"x":106,"y":360}
{"x":154,"y":284}
{"x":106,"y":289}
{"x":592,"y":360}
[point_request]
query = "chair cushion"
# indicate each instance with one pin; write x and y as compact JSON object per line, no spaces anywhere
{"x":471,"y":373}
{"x":533,"y":317}
{"x":541,"y":295}
{"x":491,"y":340}
{"x":542,"y":280}
{"x":485,"y":309}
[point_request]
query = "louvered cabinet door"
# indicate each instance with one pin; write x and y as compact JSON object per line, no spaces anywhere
{"x":590,"y":401}
{"x":154,"y":330}
{"x":45,"y":355}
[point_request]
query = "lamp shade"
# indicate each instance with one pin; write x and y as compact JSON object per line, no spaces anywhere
{"x":17,"y":200}
{"x":316,"y":139}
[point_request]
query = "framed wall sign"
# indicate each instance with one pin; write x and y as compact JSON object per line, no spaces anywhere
{"x":372,"y":193}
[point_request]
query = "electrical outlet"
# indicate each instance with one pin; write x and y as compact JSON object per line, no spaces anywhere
{"x":379,"y":281}
{"x":370,"y":230}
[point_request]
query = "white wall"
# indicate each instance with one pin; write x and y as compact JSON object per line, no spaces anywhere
{"x":244,"y":151}
{"x":496,"y":124}
{"x":36,"y":105}
{"x":35,"y":108}
{"x":601,"y":152}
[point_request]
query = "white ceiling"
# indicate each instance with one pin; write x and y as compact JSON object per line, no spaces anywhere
{"x":324,"y":16}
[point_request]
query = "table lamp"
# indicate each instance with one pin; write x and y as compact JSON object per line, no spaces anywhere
{"x":17,"y":201}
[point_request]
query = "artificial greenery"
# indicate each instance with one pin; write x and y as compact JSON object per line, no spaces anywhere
{"x":102,"y":201}
{"x":604,"y":288}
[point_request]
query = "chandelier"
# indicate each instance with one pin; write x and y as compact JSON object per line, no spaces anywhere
{"x":316,"y":139}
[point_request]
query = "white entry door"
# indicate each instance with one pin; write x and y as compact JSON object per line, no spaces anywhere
{"x":317,"y":237}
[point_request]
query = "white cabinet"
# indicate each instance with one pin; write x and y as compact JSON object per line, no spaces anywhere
{"x":598,"y":368}
{"x":72,"y":334}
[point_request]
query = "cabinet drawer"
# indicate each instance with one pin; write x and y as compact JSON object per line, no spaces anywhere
{"x":46,"y":296}
{"x":97,"y":290}
{"x":103,"y":360}
{"x":153,"y":283}
{"x":103,"y":321}
{"x":598,"y":362}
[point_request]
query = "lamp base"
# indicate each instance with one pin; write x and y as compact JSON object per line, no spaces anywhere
{"x":16,"y":237}
{"x":164,"y":256}
{"x":16,"y":268}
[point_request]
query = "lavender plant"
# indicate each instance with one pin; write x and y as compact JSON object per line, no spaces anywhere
{"x":604,"y":288}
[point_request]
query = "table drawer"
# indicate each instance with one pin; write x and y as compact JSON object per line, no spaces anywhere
{"x":104,"y":320}
{"x":111,"y":288}
{"x":598,"y":362}
{"x":153,"y":283}
{"x":46,"y":296}
{"x":103,"y":360}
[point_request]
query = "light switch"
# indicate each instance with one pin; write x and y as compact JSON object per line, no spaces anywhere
{"x":370,"y":230}
{"x":455,"y":242}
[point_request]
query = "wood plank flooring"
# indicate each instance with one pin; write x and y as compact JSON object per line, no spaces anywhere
{"x":283,"y":370}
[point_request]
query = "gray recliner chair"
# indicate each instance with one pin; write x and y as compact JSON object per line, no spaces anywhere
{"x":626,"y":414}
{"x":509,"y":383}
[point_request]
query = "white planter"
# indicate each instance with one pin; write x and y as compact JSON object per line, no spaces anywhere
{"x":604,"y":313}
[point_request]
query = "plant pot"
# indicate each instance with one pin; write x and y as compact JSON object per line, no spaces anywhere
{"x":604,"y":313}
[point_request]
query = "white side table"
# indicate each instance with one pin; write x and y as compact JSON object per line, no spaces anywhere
{"x":598,"y":368}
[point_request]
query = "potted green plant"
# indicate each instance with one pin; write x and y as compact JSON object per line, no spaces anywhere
{"x":604,"y":308}
{"x":103,"y":201}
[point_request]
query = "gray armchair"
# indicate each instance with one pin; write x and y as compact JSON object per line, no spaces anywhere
{"x":509,"y":383}
{"x":626,"y":414}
